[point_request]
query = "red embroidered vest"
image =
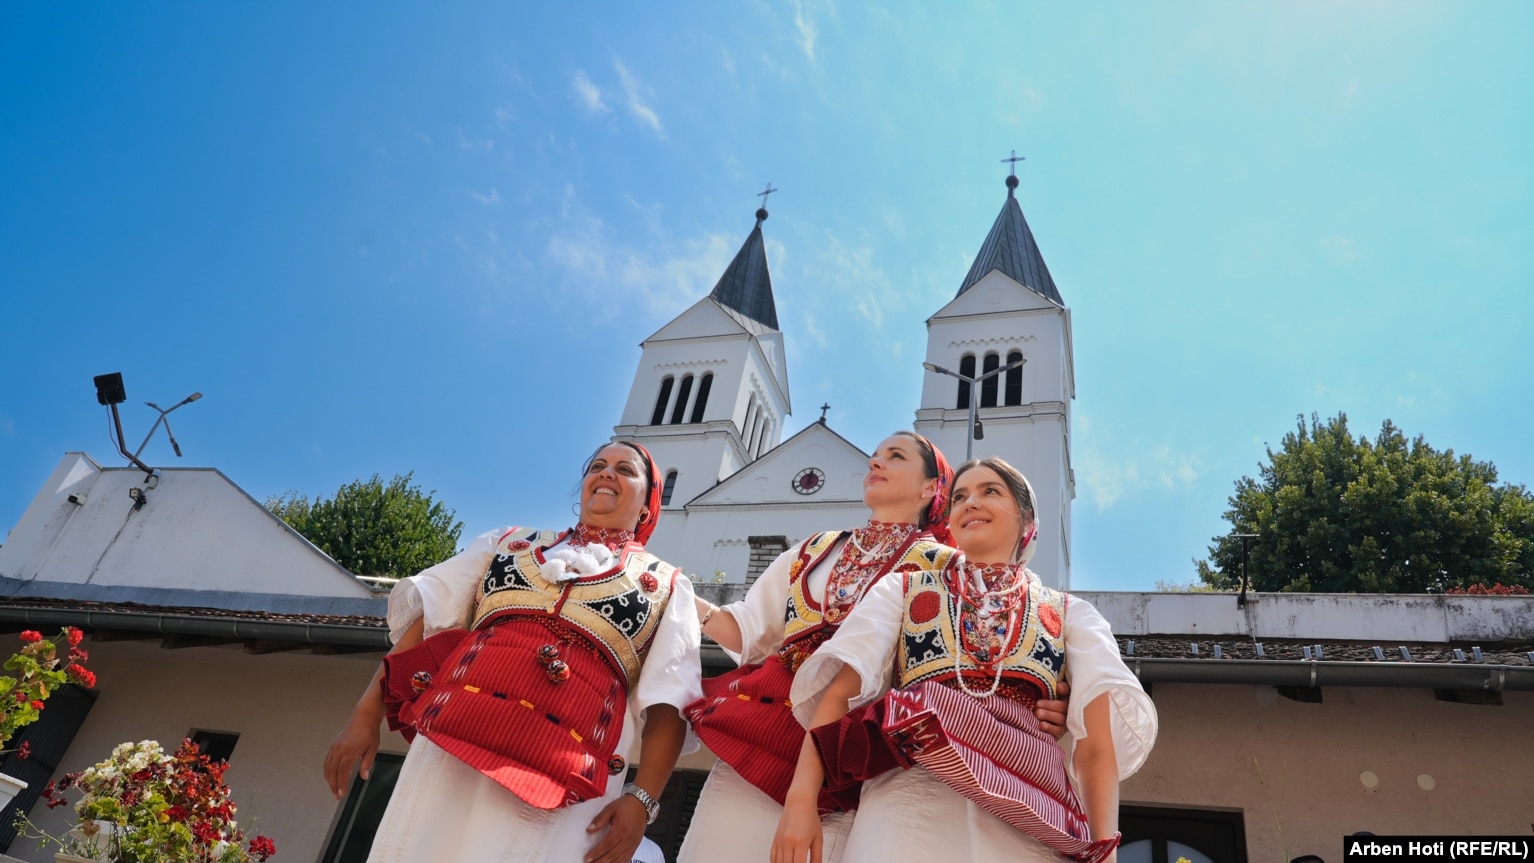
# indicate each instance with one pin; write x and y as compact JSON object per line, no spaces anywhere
{"x":534,"y":695}
{"x":1034,"y":656}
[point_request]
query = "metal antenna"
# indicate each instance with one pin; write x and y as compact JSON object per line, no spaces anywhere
{"x":165,"y":418}
{"x":1246,"y":540}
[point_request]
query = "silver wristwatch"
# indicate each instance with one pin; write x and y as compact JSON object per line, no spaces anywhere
{"x":651,"y":805}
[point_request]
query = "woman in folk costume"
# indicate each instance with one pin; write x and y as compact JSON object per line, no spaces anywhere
{"x":952,"y":762}
{"x":795,"y":606}
{"x":523,"y":670}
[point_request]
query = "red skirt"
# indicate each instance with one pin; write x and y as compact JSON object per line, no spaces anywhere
{"x":991,"y":751}
{"x":745,"y":718}
{"x":486,"y":698}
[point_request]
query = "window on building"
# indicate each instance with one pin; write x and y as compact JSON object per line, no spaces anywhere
{"x":704,"y":385}
{"x":682,"y":392}
{"x":670,"y":486}
{"x":1014,"y":391}
{"x":763,"y":442}
{"x":1153,"y":834}
{"x":764,"y":550}
{"x":659,"y":416}
{"x":989,"y":385}
{"x":217,"y":745}
{"x":357,"y":823}
{"x":745,"y":428}
{"x":967,"y":369}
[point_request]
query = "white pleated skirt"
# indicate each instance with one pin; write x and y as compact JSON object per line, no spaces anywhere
{"x":735,"y":823}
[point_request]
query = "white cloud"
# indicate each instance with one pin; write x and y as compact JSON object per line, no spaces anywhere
{"x":1105,"y":479}
{"x":591,"y":95}
{"x":468,"y":143}
{"x":849,"y":277}
{"x":807,"y":30}
{"x":1342,"y":250}
{"x":493,"y":198}
{"x":635,"y":91}
{"x":666,"y":276}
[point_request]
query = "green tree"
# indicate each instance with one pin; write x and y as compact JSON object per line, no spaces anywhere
{"x":1344,"y":515}
{"x":373,"y":528}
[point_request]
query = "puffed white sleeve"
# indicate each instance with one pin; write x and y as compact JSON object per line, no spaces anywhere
{"x":762,"y":613}
{"x":673,"y":671}
{"x":865,"y":641}
{"x":1093,"y":667}
{"x":444,"y":594}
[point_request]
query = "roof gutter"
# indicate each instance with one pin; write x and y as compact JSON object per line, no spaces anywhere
{"x":1274,"y":672}
{"x":202,"y":625}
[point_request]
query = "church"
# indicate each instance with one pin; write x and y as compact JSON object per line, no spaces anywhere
{"x":711,"y":395}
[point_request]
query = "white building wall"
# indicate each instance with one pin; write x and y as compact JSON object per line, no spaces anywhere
{"x":104,"y":540}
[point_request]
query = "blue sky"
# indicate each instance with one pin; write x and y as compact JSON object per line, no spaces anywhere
{"x":399,"y":236}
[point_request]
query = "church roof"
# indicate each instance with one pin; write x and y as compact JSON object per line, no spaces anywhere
{"x":745,"y":289}
{"x":1010,"y":247}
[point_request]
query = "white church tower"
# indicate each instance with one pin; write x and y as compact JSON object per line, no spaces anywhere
{"x":1008,"y":309}
{"x":711,"y":391}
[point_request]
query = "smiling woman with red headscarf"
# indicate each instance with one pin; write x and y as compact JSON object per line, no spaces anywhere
{"x":523,"y":670}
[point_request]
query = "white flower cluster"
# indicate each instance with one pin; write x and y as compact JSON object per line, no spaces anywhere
{"x":126,"y":759}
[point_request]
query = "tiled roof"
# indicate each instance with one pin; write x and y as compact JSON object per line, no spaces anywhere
{"x":746,"y":286}
{"x":1290,"y":650}
{"x":1010,"y":247}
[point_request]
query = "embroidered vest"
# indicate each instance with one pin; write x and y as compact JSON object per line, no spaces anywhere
{"x":805,"y":617}
{"x":928,"y":642}
{"x":618,"y":610}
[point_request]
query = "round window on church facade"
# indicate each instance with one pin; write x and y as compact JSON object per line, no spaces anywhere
{"x":809,"y":480}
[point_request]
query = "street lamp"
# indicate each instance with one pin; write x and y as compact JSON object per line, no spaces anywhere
{"x":165,"y":418}
{"x":974,"y":395}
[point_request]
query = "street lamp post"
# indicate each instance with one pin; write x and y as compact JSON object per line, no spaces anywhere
{"x":974,"y":395}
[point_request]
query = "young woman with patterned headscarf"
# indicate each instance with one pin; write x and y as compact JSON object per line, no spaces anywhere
{"x":797,"y":604}
{"x":951,"y":761}
{"x":524,"y":669}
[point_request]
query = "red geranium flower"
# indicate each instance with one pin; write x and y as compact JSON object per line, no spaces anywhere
{"x":74,"y":635}
{"x":37,"y":705}
{"x":31,"y":636}
{"x":262,"y":847}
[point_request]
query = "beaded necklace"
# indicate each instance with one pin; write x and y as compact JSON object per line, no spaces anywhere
{"x":615,"y":538}
{"x":859,"y":562}
{"x":997,"y":592}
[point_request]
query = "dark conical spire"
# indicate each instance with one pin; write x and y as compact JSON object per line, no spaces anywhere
{"x":746,"y":286}
{"x":1010,"y":247}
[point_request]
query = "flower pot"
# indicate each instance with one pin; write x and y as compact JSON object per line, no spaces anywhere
{"x":10,"y":786}
{"x":61,"y":857}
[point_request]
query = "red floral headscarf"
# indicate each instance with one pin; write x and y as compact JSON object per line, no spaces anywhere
{"x":937,"y":510}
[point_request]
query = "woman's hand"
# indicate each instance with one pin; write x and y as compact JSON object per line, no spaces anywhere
{"x":1052,"y":713}
{"x":799,"y":834}
{"x":625,"y":820}
{"x":358,"y":741}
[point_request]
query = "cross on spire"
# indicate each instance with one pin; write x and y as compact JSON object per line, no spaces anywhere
{"x":1014,"y":160}
{"x":764,"y":193}
{"x":823,"y":408}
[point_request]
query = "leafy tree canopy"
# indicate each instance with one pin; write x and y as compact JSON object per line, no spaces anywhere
{"x":375,"y":528}
{"x":1337,"y":514}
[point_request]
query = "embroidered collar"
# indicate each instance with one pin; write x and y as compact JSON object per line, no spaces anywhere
{"x":615,"y":538}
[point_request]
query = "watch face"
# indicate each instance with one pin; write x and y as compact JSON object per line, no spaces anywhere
{"x":809,"y":480}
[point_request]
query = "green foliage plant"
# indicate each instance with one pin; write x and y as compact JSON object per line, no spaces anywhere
{"x":371,"y":527}
{"x":1339,"y":514}
{"x":35,"y":672}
